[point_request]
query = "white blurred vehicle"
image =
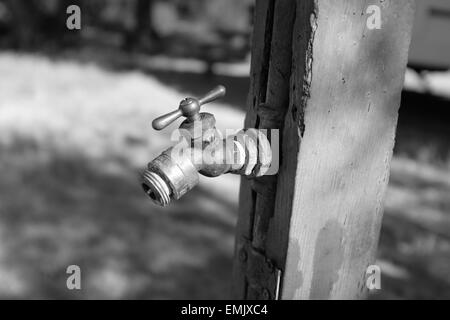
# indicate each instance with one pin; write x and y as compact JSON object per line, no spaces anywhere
{"x":430,"y":46}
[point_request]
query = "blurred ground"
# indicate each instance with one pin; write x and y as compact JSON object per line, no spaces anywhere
{"x":73,"y":139}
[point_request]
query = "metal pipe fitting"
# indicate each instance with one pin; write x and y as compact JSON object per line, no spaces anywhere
{"x":176,"y":171}
{"x":169,"y":177}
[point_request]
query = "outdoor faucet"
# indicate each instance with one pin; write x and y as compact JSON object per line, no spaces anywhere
{"x":202,"y":149}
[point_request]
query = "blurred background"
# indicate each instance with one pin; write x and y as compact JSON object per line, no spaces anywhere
{"x":75,"y":114}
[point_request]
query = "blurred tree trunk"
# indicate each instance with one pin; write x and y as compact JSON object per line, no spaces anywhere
{"x":34,"y":25}
{"x":143,"y":17}
{"x":143,"y":29}
{"x":55,"y":24}
{"x":26,"y":22}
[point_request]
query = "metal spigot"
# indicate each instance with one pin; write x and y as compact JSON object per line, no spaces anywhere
{"x":170,"y":176}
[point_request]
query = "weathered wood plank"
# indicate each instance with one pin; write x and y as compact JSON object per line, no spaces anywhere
{"x":319,"y":220}
{"x":302,"y":35}
{"x":267,"y":104}
{"x":247,"y":196}
{"x":339,"y":137}
{"x":272,"y":111}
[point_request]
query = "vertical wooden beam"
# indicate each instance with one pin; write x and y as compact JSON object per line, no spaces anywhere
{"x":247,"y":196}
{"x":342,"y":121}
{"x":267,"y":103}
{"x":338,"y":137}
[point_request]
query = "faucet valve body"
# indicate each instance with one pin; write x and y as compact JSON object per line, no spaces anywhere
{"x":176,"y":171}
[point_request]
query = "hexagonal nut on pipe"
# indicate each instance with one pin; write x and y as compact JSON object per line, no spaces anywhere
{"x":258,"y":152}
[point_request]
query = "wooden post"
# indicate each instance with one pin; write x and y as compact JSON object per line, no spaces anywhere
{"x":331,"y":81}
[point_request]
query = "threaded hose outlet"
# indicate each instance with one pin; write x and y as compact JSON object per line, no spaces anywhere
{"x":156,"y":188}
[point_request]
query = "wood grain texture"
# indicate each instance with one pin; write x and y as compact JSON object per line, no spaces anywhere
{"x":342,"y":122}
{"x":268,"y":102}
{"x":333,"y":87}
{"x":247,"y":196}
{"x":302,"y":36}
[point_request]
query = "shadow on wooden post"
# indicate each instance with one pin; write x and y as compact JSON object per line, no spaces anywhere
{"x":332,"y":85}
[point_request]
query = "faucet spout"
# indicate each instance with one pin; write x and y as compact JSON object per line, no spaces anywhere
{"x":172,"y":174}
{"x":176,"y":171}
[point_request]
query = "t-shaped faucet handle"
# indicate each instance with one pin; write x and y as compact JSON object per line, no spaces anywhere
{"x":189,"y":108}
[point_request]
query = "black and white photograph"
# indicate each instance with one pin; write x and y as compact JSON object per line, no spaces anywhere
{"x":226,"y":150}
